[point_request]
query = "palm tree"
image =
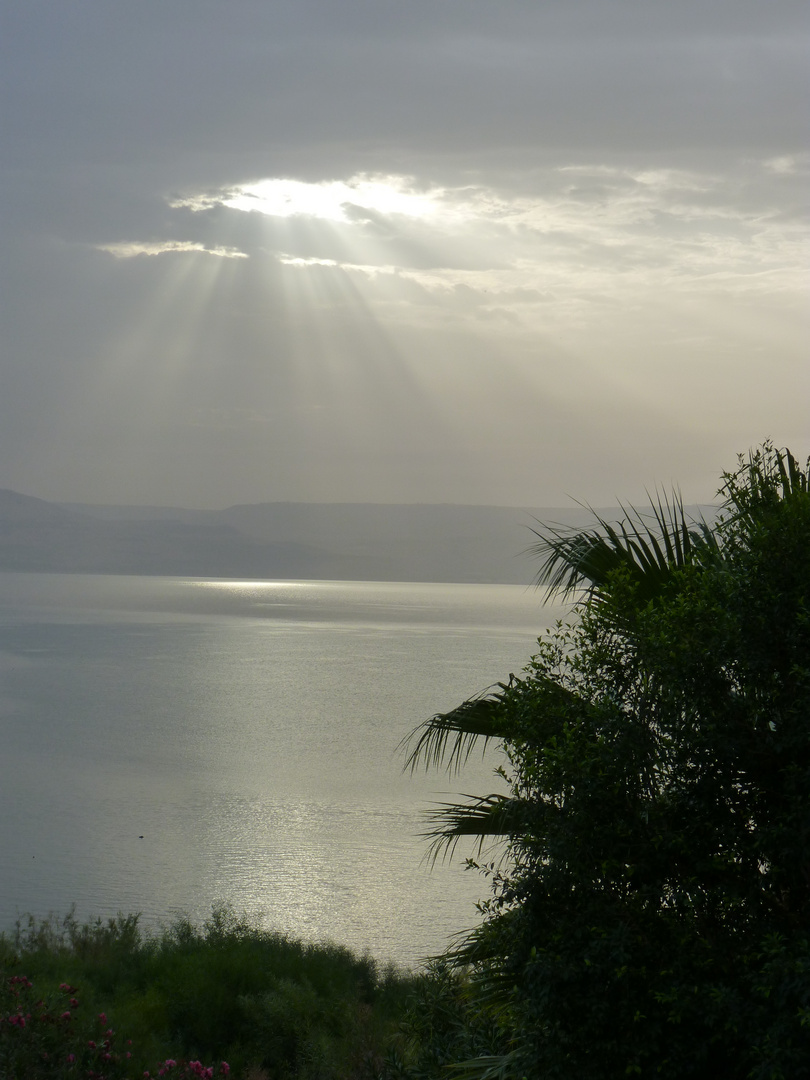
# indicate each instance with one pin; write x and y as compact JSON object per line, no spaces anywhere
{"x":617,"y":573}
{"x":647,"y":548}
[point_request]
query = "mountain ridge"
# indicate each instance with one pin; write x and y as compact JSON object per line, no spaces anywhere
{"x":280,"y":540}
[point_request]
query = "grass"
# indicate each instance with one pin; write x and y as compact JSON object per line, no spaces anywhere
{"x":103,"y":1000}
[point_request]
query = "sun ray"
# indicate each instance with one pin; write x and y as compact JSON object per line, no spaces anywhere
{"x":165,"y":330}
{"x":378,"y":317}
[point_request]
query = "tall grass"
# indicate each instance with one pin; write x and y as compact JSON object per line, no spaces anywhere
{"x":272,"y":1007}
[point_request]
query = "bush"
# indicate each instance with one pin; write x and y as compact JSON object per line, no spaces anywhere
{"x":226,"y":992}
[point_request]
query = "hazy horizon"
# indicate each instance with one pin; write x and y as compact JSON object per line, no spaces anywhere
{"x":572,"y":507}
{"x":436,"y":253}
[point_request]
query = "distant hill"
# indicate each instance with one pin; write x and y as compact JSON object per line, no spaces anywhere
{"x":42,"y":536}
{"x":326,"y":541}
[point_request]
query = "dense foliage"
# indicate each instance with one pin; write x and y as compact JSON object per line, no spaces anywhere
{"x":652,"y":916}
{"x":102,"y":1000}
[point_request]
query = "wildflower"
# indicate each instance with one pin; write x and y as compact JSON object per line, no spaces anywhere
{"x":71,"y":1058}
{"x":102,"y":1017}
{"x":224,"y":1068}
{"x":74,"y":1002}
{"x":91,"y":1044}
{"x":65,"y":1015}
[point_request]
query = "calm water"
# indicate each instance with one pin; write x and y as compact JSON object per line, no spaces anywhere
{"x":171,"y":743}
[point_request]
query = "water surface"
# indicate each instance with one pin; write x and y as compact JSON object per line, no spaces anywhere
{"x":172,"y":743}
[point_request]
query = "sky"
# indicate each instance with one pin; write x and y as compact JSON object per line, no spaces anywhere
{"x":446,"y":251}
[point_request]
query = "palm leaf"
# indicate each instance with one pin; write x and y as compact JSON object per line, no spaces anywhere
{"x":483,"y":817}
{"x":448,"y":739}
{"x":490,"y":1067}
{"x":648,"y":546}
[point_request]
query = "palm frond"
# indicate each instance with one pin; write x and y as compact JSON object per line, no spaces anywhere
{"x":648,"y":545}
{"x":490,"y":1067}
{"x":486,"y":817}
{"x":448,"y":739}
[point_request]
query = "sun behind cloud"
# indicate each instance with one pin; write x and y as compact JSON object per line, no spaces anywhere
{"x":330,"y":200}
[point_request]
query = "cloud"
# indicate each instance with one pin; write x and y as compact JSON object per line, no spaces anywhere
{"x":496,"y":253}
{"x":129,"y":249}
{"x":595,"y":229}
{"x":333,"y":200}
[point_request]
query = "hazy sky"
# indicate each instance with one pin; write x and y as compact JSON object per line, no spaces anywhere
{"x":366,"y":250}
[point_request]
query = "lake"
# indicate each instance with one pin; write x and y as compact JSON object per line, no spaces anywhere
{"x":173,"y":743}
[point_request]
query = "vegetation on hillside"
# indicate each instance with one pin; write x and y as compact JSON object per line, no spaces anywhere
{"x":102,"y":1000}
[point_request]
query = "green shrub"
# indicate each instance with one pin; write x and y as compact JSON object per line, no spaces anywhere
{"x":227,"y":991}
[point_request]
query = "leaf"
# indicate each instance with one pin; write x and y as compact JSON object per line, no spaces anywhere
{"x":448,"y":739}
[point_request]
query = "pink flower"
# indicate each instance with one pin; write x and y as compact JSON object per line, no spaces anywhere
{"x":65,"y":1015}
{"x":74,"y":1002}
{"x":102,"y":1017}
{"x":91,"y":1044}
{"x":71,"y":1058}
{"x":225,"y":1068}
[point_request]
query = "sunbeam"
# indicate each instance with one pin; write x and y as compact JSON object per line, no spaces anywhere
{"x":352,"y":331}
